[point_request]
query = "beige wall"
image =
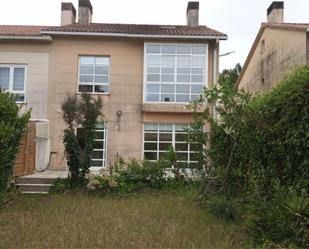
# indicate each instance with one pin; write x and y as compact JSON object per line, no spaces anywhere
{"x":36,"y":76}
{"x":49,"y":85}
{"x":283,"y":50}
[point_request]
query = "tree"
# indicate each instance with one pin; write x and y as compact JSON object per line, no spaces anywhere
{"x":12,"y":127}
{"x":80,"y":113}
{"x":230,"y":76}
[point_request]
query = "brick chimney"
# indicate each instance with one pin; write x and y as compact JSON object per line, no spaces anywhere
{"x":275,"y":12}
{"x":84,"y":12}
{"x":68,"y":14}
{"x":193,"y":14}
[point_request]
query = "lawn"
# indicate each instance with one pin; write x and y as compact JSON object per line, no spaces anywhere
{"x":152,"y":220}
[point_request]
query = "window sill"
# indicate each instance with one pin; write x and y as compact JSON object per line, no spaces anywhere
{"x":92,"y":93}
{"x":168,"y":108}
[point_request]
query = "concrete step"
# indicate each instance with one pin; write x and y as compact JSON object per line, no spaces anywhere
{"x":34,"y":188}
{"x":28,"y":180}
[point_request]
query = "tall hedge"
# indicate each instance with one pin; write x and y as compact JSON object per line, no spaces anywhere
{"x":12,"y":127}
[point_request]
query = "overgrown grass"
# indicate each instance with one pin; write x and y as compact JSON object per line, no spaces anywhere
{"x":148,"y":220}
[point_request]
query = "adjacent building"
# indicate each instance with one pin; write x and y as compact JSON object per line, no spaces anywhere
{"x":145,"y":75}
{"x":278,"y":47}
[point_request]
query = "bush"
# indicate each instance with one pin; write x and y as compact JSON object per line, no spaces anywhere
{"x":80,"y":113}
{"x":260,"y":152}
{"x":12,"y":127}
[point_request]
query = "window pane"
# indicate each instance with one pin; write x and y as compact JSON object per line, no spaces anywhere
{"x":86,"y":78}
{"x":181,"y":127}
{"x":167,"y":70}
{"x":183,"y":89}
{"x":167,"y":98}
{"x":150,"y":146}
{"x":101,"y":79}
{"x":167,"y":77}
{"x":153,"y":77}
{"x":99,"y":135}
{"x":198,"y":50}
{"x":183,"y":60}
{"x":102,"y":60}
{"x":181,"y":137}
{"x":97,"y":155}
{"x":154,"y":70}
{"x":167,"y":88}
{"x":168,"y":61}
{"x":86,"y":60}
{"x":151,"y":137}
{"x":195,"y":97}
{"x":165,"y":137}
{"x":181,"y":147}
{"x":194,"y":156}
{"x":196,"y":147}
{"x":165,"y":146}
{"x":101,"y":89}
{"x":154,"y":49}
{"x":182,"y":98}
{"x":183,"y":70}
{"x":86,"y":70}
{"x":183,"y":49}
{"x":20,"y":97}
{"x":152,"y":97}
{"x":97,"y":163}
{"x":85,"y":88}
{"x":101,"y":69}
{"x":166,"y":127}
{"x":4,"y":77}
{"x":154,"y":88}
{"x":198,"y":60}
{"x":168,"y":49}
{"x":151,"y":127}
{"x":197,"y":78}
{"x":183,"y":78}
{"x":197,"y":89}
{"x":19,"y":79}
{"x":98,"y":144}
{"x":150,"y":155}
{"x":182,"y":156}
{"x":153,"y":59}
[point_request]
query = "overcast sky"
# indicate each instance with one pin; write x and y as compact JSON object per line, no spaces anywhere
{"x":239,"y":19}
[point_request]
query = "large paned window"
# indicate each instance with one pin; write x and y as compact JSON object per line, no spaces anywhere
{"x":175,"y":73}
{"x":100,"y":145}
{"x":12,"y":79}
{"x":94,"y":74}
{"x":159,"y":137}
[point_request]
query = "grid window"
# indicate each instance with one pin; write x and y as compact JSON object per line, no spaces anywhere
{"x":12,"y":79}
{"x":94,"y":74}
{"x":159,"y":137}
{"x":99,"y":147}
{"x":175,"y":73}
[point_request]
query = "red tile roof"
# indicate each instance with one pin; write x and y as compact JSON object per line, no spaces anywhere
{"x":287,"y":26}
{"x":131,"y":29}
{"x":139,"y":29}
{"x":19,"y":30}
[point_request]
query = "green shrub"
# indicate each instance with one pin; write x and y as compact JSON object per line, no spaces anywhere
{"x":12,"y":127}
{"x":259,"y":150}
{"x":80,"y":113}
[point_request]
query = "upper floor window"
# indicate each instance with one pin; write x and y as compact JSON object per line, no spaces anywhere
{"x":93,"y":74}
{"x":175,"y":73}
{"x":12,"y":79}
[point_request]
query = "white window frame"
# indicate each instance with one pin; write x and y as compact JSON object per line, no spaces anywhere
{"x":173,"y":132}
{"x":206,"y":72}
{"x":93,"y":84}
{"x":11,"y":79}
{"x":104,"y":149}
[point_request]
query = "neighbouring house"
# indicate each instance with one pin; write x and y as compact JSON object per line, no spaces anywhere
{"x":145,"y":75}
{"x":278,"y":47}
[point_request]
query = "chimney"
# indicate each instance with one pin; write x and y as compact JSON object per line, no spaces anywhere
{"x":68,"y":14}
{"x":84,"y":12}
{"x":275,"y":12}
{"x":193,"y":14}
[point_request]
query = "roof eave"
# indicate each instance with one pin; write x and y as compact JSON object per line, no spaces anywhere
{"x":26,"y":37}
{"x":220,"y":37}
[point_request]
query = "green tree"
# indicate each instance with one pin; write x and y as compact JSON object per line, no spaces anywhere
{"x":230,"y":76}
{"x":80,"y":113}
{"x":12,"y":127}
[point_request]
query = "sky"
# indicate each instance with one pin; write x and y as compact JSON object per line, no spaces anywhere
{"x":239,"y":19}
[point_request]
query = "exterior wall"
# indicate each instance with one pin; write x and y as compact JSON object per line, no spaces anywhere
{"x":126,"y":93}
{"x":282,"y":50}
{"x":36,"y":59}
{"x":25,"y":158}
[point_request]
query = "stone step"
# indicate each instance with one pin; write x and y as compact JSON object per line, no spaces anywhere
{"x":32,"y":180}
{"x":34,"y":188}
